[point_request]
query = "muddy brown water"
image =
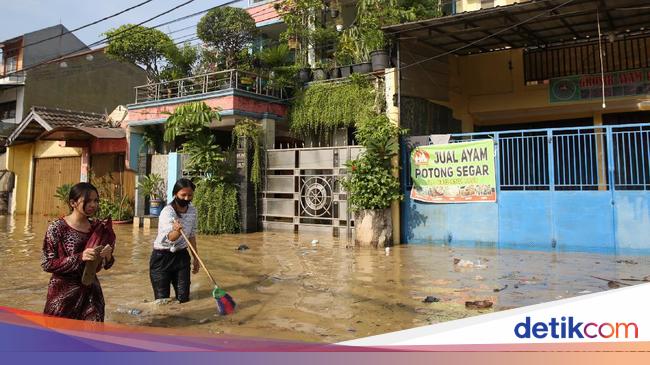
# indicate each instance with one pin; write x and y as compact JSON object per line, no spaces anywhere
{"x":288,"y":288}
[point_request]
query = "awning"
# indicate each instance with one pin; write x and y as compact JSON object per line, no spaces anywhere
{"x":531,"y":24}
{"x":81,"y":134}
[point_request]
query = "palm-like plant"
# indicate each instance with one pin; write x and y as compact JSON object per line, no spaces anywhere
{"x":189,"y":119}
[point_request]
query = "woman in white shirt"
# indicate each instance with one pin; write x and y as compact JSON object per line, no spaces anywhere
{"x":170,"y":259}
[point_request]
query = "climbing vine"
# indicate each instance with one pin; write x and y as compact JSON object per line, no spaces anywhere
{"x":252,"y":131}
{"x":217,"y":208}
{"x":324,"y":107}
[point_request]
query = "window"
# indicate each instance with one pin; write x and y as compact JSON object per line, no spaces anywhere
{"x":11,"y":64}
{"x":8,"y":110}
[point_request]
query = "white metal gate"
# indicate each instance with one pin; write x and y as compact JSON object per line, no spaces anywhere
{"x":302,"y":190}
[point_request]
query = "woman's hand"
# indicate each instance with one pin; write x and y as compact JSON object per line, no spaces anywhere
{"x":195,"y":266}
{"x":106,"y":252}
{"x":89,"y":254}
{"x":177,"y":226}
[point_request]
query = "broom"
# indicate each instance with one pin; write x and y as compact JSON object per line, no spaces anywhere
{"x":225,"y":303}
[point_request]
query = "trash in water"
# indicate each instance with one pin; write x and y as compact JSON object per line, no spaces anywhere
{"x":500,"y":289}
{"x":430,"y":299}
{"x":243,"y":248}
{"x":131,"y":311}
{"x":204,"y":320}
{"x":468,"y":264}
{"x":584,"y":292}
{"x":478,"y":304}
{"x":387,"y":251}
{"x":314,"y":242}
{"x":630,"y":262}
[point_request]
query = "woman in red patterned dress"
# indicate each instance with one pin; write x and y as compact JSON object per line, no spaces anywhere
{"x":64,"y":254}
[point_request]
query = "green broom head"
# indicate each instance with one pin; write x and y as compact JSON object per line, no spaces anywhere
{"x":225,"y":303}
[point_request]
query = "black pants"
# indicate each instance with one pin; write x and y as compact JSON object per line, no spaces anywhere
{"x":173,"y":268}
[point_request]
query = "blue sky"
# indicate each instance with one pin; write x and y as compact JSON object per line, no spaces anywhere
{"x":20,"y":17}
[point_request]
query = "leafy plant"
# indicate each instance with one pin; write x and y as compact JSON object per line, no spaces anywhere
{"x":112,"y":200}
{"x":63,"y":193}
{"x":252,"y":131}
{"x":228,"y":30}
{"x":217,"y":208}
{"x":207,"y":159}
{"x":152,"y":138}
{"x":275,"y":56}
{"x":370,"y":183}
{"x":181,"y":62}
{"x":324,"y":107}
{"x":189,"y":119}
{"x":153,"y":186}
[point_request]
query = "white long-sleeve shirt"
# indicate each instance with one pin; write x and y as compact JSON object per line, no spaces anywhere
{"x":166,"y":225}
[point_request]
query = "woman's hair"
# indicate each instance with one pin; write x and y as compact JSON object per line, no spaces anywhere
{"x":82,"y":189}
{"x":182,"y":184}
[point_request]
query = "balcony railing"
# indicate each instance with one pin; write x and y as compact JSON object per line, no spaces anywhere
{"x":15,"y":78}
{"x":202,"y":84}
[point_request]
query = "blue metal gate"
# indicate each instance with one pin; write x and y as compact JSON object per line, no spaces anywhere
{"x":580,"y":189}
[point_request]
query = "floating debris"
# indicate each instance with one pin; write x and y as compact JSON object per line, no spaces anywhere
{"x":430,"y":299}
{"x":478,"y":304}
{"x":314,"y":242}
{"x":584,"y":292}
{"x":500,"y":289}
{"x":131,"y":311}
{"x":243,"y":248}
{"x":630,"y":262}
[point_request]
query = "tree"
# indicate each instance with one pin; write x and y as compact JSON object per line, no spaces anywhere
{"x":228,"y":30}
{"x":149,"y":48}
{"x":182,"y":61}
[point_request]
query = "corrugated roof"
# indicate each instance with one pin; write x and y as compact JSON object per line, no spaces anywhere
{"x":536,"y":23}
{"x":41,"y":119}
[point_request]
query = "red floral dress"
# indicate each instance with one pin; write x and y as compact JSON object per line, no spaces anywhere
{"x":66,"y":296}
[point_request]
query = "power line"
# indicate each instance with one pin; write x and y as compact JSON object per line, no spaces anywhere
{"x":102,"y":41}
{"x":87,"y":25}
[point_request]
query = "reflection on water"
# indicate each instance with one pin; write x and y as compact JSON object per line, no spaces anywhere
{"x":287,"y":287}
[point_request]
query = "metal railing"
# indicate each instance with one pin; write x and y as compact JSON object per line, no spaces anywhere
{"x":14,"y":78}
{"x":614,"y":157}
{"x":202,"y":84}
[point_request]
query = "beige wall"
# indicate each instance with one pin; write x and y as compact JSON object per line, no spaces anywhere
{"x":20,"y":160}
{"x":489,"y":89}
{"x":472,"y":5}
{"x":45,"y":149}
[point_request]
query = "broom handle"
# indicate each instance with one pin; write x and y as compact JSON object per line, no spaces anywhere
{"x":196,"y":255}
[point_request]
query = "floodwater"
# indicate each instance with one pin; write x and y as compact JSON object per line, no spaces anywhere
{"x":288,"y":288}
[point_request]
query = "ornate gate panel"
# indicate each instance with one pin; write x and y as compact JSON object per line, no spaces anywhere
{"x":302,"y":190}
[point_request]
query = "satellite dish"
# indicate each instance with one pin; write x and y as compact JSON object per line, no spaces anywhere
{"x":117,"y":116}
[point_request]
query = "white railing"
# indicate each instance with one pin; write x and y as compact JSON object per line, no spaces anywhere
{"x":202,"y":84}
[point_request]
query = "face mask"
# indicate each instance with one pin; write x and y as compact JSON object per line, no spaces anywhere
{"x":182,"y":202}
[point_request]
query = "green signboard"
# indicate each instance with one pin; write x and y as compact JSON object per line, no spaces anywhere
{"x":589,"y":87}
{"x":454,"y":173}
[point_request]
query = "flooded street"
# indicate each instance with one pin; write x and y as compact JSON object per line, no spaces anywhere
{"x":288,"y":288}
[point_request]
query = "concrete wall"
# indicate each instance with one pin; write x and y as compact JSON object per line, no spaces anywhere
{"x":20,"y":161}
{"x":50,"y":49}
{"x":90,"y":82}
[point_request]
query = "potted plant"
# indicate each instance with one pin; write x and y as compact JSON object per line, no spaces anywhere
{"x":370,"y":184}
{"x":152,"y":185}
{"x":344,"y":54}
{"x":375,"y":41}
{"x":320,"y":71}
